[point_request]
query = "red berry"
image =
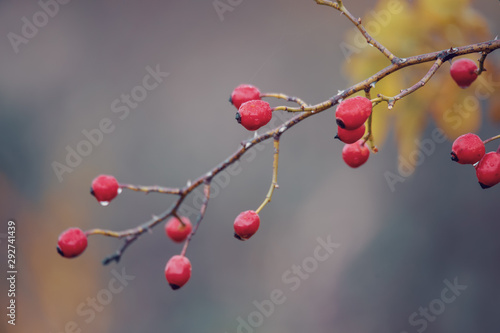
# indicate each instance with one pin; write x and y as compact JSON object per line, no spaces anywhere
{"x":178,"y":271}
{"x":355,"y":154}
{"x":254,"y":114}
{"x":347,"y":136}
{"x":353,"y":112}
{"x":176,"y":231}
{"x":464,"y":72}
{"x":246,"y":224}
{"x":244,"y":93}
{"x":104,"y":188}
{"x":71,"y":243}
{"x":488,"y":170}
{"x":467,"y":149}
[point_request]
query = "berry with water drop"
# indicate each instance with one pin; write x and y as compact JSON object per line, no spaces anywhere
{"x":104,"y":188}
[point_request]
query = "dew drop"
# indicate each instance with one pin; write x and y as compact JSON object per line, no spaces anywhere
{"x":119,"y":190}
{"x":402,"y":60}
{"x":282,"y":129}
{"x":104,"y":203}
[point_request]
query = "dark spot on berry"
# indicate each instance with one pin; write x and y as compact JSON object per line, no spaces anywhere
{"x":230,"y":100}
{"x":60,"y":251}
{"x":454,"y":157}
{"x":238,"y":117}
{"x":238,"y":237}
{"x":174,"y":286}
{"x":484,"y":187}
{"x":92,"y":191}
{"x":340,"y":123}
{"x":337,"y":137}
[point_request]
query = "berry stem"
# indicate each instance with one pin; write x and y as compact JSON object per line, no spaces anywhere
{"x":492,"y":139}
{"x":203,"y":208}
{"x":274,"y":182}
{"x":481,"y":62}
{"x":286,"y":97}
{"x":369,"y":134}
{"x":148,"y":189}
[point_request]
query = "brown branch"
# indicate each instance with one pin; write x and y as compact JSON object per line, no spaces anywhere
{"x":148,"y":189}
{"x":338,"y":5}
{"x":417,"y":85}
{"x":305,"y":111}
{"x":206,"y":192}
{"x":481,"y":62}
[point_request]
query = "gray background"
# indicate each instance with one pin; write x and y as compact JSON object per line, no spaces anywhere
{"x":396,"y":249}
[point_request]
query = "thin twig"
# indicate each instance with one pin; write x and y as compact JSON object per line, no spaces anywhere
{"x":274,"y":182}
{"x":285,"y":97}
{"x":201,"y":215}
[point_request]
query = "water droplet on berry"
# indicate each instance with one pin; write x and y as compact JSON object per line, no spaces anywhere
{"x":104,"y":203}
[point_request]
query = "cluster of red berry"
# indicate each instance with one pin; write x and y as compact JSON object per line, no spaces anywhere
{"x":351,"y":116}
{"x":73,"y":241}
{"x":470,"y":149}
{"x":253,"y":113}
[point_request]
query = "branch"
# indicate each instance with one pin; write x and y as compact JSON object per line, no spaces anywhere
{"x":357,"y":22}
{"x":305,"y":111}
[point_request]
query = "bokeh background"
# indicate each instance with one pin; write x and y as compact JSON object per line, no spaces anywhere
{"x":397,"y":244}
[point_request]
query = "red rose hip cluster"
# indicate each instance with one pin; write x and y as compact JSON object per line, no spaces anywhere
{"x":351,"y":116}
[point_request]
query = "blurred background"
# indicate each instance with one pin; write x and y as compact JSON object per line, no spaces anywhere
{"x":402,"y":236}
